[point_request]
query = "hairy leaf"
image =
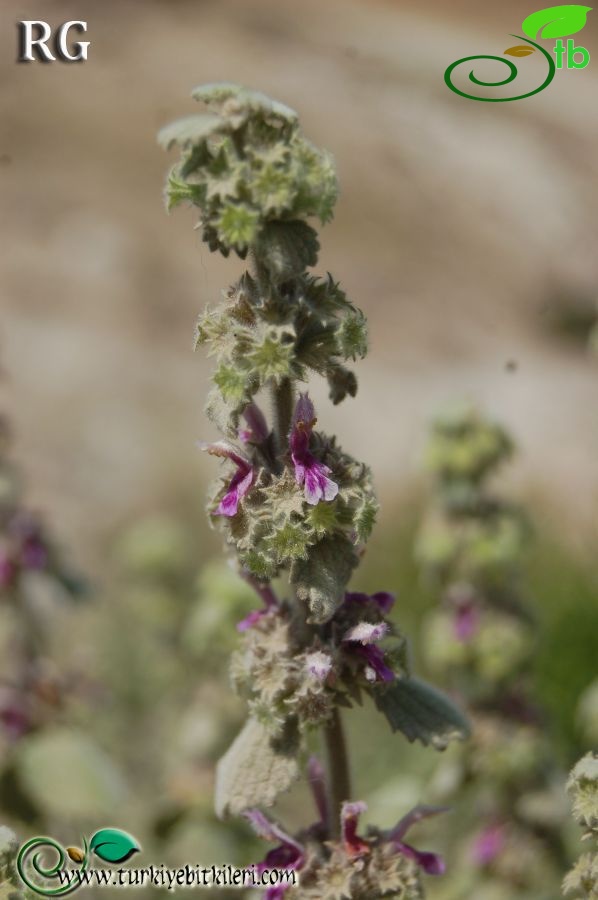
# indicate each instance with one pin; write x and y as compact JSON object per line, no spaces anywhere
{"x":189,"y":130}
{"x":215,"y":95}
{"x":288,"y":248}
{"x":421,"y":712}
{"x":322,"y":578}
{"x":255,"y":770}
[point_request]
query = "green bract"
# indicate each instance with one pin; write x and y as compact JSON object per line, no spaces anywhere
{"x":246,"y":165}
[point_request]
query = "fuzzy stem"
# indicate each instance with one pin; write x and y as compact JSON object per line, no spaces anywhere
{"x":339,"y":782}
{"x":282,"y":402}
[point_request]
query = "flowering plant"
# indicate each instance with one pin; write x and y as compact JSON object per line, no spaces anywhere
{"x":292,"y":502}
{"x":481,"y":642}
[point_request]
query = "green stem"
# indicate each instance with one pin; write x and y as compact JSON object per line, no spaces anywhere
{"x":339,"y":780}
{"x":282,"y":403}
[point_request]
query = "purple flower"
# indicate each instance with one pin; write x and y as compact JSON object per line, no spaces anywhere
{"x":463,"y":600}
{"x":13,"y":715}
{"x":258,"y":430}
{"x":383,"y":599}
{"x":268,"y":596}
{"x":488,"y":844}
{"x":32,"y":549}
{"x":376,"y":668}
{"x":362,"y":638}
{"x":466,"y":623}
{"x":308,"y":470}
{"x":354,"y":845}
{"x":289,"y":854}
{"x":318,"y":664}
{"x":241,"y":481}
{"x":431,"y":863}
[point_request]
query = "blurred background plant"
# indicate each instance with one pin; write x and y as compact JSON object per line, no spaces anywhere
{"x":36,"y":690}
{"x":507,"y":839}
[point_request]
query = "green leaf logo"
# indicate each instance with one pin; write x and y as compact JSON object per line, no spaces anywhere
{"x":113,"y":845}
{"x":556,"y":21}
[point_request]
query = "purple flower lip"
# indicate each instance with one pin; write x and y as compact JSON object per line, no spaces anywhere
{"x":431,"y":863}
{"x":309,"y":472}
{"x":362,"y":638}
{"x":267,"y":595}
{"x":251,"y":619}
{"x":289,"y":854}
{"x":241,"y":482}
{"x":350,"y":812}
{"x":376,"y":668}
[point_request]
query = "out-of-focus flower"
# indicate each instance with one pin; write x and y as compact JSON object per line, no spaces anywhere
{"x":15,"y":720}
{"x":31,"y":546}
{"x":383,"y":599}
{"x":8,"y":569}
{"x":488,"y":844}
{"x":466,"y":622}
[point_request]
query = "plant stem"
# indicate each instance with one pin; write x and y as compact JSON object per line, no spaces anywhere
{"x":339,"y":781}
{"x":282,"y":402}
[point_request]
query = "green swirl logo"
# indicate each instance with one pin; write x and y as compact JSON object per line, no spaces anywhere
{"x":35,"y":871}
{"x":553,"y":22}
{"x":43,"y":864}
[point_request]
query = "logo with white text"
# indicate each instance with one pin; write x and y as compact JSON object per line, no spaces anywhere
{"x":547,"y":24}
{"x":39,"y":42}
